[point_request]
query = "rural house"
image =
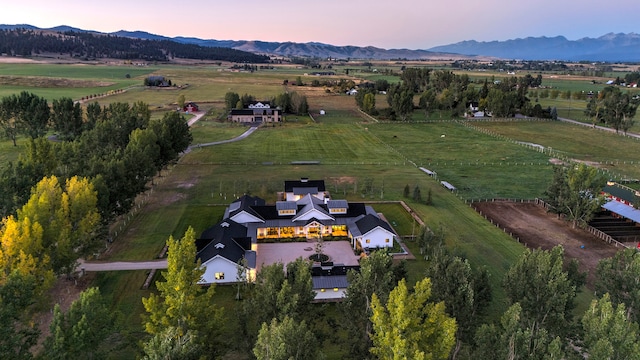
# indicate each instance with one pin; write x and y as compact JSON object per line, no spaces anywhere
{"x":263,"y":234}
{"x":256,"y":112}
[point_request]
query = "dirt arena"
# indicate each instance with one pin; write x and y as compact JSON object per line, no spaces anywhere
{"x":537,"y":229}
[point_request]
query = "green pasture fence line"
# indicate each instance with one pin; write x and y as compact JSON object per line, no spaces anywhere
{"x":368,"y":116}
{"x":121,"y":223}
{"x":550,"y":151}
{"x":436,"y":121}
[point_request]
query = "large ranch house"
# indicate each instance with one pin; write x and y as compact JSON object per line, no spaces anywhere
{"x":257,"y":112}
{"x":263,"y":234}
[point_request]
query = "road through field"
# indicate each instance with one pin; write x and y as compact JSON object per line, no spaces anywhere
{"x":121,"y":265}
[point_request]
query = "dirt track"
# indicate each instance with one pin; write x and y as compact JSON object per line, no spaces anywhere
{"x":537,"y":229}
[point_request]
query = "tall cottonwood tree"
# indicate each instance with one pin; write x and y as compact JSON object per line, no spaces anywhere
{"x":66,"y":117}
{"x":181,"y":303}
{"x":513,"y":338}
{"x":608,"y":332}
{"x":575,"y":193}
{"x":400,"y":99}
{"x":543,"y":289}
{"x":286,"y":339}
{"x":465,"y":293}
{"x":410,"y":326}
{"x":80,"y":332}
{"x":69,"y":218}
{"x":619,"y":276}
{"x":376,"y":276}
{"x":19,"y":332}
{"x":276,"y":295}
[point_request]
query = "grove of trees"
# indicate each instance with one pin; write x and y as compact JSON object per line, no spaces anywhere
{"x":441,"y":90}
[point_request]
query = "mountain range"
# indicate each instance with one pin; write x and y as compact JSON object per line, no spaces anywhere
{"x":608,"y":48}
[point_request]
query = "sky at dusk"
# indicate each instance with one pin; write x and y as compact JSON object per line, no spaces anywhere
{"x":411,"y":24}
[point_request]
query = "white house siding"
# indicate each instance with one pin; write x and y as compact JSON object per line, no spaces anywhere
{"x":330,"y":294}
{"x":313,"y":214}
{"x":245,"y":218}
{"x":377,"y":238}
{"x":219,"y":264}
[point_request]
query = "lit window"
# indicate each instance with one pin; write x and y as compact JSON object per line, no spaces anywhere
{"x":321,"y":290}
{"x":386,"y":240}
{"x":219,"y":276}
{"x":335,"y":289}
{"x":368,"y":241}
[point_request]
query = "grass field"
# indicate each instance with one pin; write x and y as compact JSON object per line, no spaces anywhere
{"x":359,"y":159}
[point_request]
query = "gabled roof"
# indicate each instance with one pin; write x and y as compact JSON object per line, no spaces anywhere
{"x":290,"y":184}
{"x":312,"y":204}
{"x":370,"y":222}
{"x":227,"y":239}
{"x":244,"y":203}
{"x":620,"y":192}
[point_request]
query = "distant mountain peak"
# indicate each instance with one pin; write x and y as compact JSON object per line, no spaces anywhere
{"x":609,"y":47}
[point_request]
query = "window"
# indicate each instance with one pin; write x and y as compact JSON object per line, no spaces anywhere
{"x":219,"y":276}
{"x":386,"y":240}
{"x":335,"y":289}
{"x":368,"y":241}
{"x":321,"y":290}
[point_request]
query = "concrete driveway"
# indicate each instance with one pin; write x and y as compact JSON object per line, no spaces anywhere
{"x":339,"y":252}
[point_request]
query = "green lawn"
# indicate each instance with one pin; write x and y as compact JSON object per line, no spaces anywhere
{"x":359,"y":160}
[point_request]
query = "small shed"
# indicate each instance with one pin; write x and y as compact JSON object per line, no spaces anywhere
{"x":190,"y":107}
{"x":448,"y":186}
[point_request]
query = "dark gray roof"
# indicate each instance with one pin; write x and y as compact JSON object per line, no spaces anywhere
{"x":244,"y":203}
{"x":329,"y":282}
{"x":290,"y":184}
{"x":332,"y":204}
{"x":305,"y":190}
{"x":286,"y":205}
{"x":227,"y":239}
{"x":370,"y":222}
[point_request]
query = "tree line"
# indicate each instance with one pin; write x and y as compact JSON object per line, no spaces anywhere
{"x":117,"y":146}
{"x":56,"y":201}
{"x":23,"y":42}
{"x":443,"y":90}
{"x":614,"y":108}
{"x":289,"y":102}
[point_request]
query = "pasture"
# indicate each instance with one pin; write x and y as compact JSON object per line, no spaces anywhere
{"x":359,"y":159}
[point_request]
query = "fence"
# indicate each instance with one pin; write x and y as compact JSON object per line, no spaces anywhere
{"x":590,"y":229}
